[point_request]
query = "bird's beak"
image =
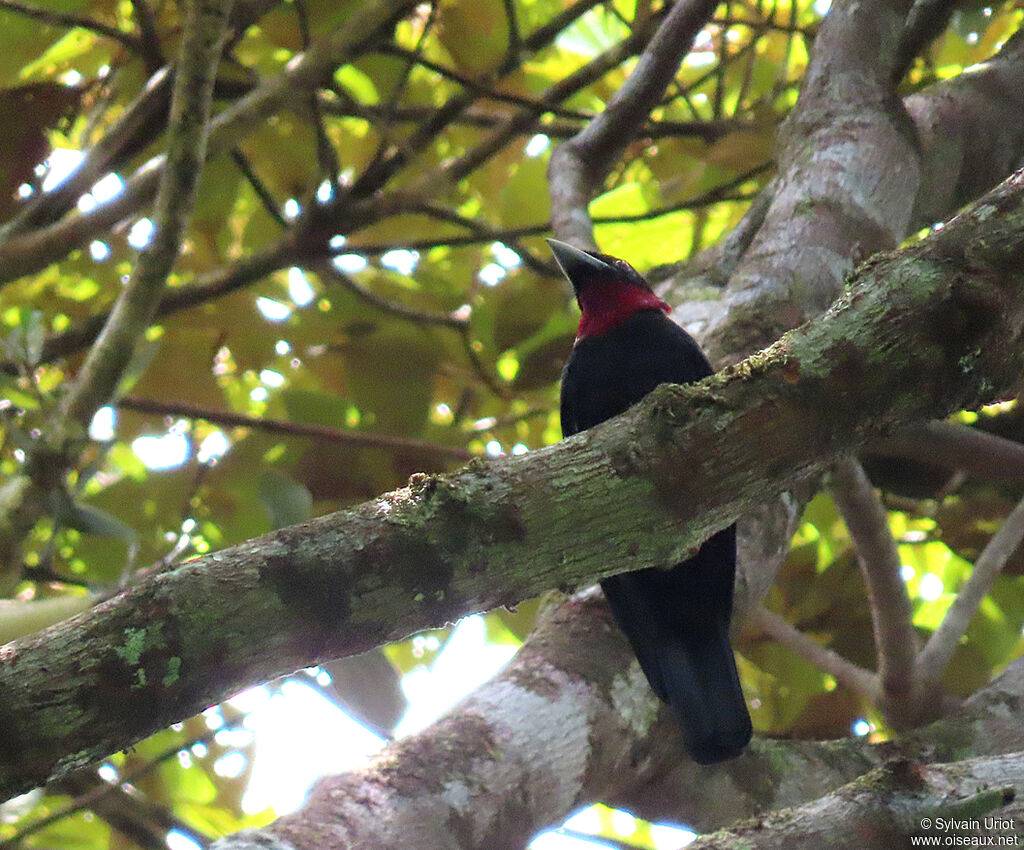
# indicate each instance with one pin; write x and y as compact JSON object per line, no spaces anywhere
{"x":575,"y":264}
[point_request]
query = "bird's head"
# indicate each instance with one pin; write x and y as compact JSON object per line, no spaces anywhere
{"x":608,"y":290}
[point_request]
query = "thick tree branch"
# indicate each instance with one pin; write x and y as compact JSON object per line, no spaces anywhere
{"x":610,"y":728}
{"x":591,"y":724}
{"x":922,"y":332}
{"x":966,"y":141}
{"x":926,"y":21}
{"x":888,"y":805}
{"x":838,"y":201}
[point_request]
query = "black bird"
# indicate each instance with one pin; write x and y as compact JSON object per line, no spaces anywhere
{"x":676,"y":618}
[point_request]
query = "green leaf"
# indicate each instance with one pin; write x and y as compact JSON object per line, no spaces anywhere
{"x":287,"y":501}
{"x":89,"y":519}
{"x":24,"y":344}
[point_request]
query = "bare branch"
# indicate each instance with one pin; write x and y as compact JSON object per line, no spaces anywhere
{"x":384,"y":167}
{"x":259,"y":187}
{"x":860,"y":681}
{"x":149,"y":39}
{"x":927,"y":20}
{"x":424,"y":317}
{"x":628,"y":756}
{"x":515,"y":40}
{"x":578,"y":166}
{"x":481,"y":88}
{"x":822,"y":221}
{"x":990,"y":562}
{"x":440,"y":180}
{"x":360,"y":439}
{"x":206,"y":287}
{"x":891,"y":615}
{"x":708,"y":131}
{"x":846,"y":673}
{"x":205,"y":30}
{"x":64,"y":19}
{"x":610,"y":731}
{"x":486,"y":233}
{"x":91,"y":797}
{"x":961,"y":448}
{"x":326,"y":155}
{"x":887,"y":806}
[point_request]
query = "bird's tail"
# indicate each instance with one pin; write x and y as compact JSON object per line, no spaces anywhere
{"x":703,"y":689}
{"x":677,"y":621}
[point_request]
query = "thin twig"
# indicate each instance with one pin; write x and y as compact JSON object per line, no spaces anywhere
{"x":481,"y":88}
{"x":515,"y":40}
{"x":205,"y":288}
{"x":326,"y":155}
{"x":490,"y":381}
{"x":891,"y":614}
{"x":451,"y":172}
{"x":358,"y":439}
{"x":425,"y":317}
{"x":846,"y":673}
{"x":484,"y":230}
{"x":491,"y":422}
{"x":400,"y":86}
{"x":708,"y":131}
{"x":373,"y":179}
{"x":717,"y":263}
{"x":990,"y":562}
{"x":64,"y":19}
{"x":258,"y":186}
{"x":720,"y":66}
{"x":149,"y":40}
{"x":140,"y":818}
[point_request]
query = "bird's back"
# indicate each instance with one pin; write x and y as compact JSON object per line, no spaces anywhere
{"x":676,"y":618}
{"x":606,"y":375}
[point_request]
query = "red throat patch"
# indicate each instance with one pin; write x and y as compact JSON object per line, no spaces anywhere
{"x":604,"y":307}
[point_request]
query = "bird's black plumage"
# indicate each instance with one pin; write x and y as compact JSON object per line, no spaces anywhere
{"x":676,"y":618}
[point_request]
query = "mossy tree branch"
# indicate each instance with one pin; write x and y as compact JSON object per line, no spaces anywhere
{"x":920,"y":333}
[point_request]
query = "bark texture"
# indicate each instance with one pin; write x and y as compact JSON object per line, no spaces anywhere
{"x":920,"y":333}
